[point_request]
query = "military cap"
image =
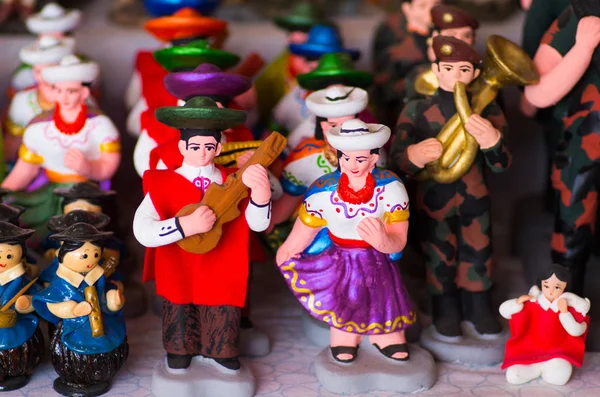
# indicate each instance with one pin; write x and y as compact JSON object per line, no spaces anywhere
{"x":449,"y":17}
{"x":449,"y":49}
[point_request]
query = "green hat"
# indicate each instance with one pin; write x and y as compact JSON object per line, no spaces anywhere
{"x":335,"y":68}
{"x":189,"y":56}
{"x":302,"y":17}
{"x":200,"y":113}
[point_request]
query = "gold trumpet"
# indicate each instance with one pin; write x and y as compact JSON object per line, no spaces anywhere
{"x":506,"y":64}
{"x":426,"y":83}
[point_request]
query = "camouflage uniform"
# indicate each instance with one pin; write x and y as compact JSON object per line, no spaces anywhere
{"x":396,"y":51}
{"x":576,"y":162}
{"x":453,"y":219}
{"x":540,"y":16}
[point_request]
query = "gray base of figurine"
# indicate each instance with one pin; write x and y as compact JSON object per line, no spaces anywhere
{"x":254,"y":343}
{"x":470,"y":349}
{"x":317,"y":332}
{"x":204,"y":378}
{"x":372,"y":371}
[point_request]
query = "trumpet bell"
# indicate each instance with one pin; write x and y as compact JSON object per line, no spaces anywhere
{"x":507,"y":64}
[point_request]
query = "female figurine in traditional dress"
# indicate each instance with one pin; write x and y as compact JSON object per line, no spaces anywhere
{"x":548,"y":329}
{"x":353,"y":285}
{"x":21,"y":340}
{"x":89,"y":345}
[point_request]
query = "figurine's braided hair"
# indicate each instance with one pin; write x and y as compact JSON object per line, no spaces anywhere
{"x":587,"y":8}
{"x":561,"y":272}
{"x":70,"y":246}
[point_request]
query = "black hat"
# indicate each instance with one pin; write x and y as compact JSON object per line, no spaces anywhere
{"x":4,"y":192}
{"x":10,"y":213}
{"x":10,"y":232}
{"x":59,"y":223}
{"x":84,"y":190}
{"x":80,"y":232}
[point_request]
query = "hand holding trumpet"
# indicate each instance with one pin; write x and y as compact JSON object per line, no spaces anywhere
{"x":483,"y":131}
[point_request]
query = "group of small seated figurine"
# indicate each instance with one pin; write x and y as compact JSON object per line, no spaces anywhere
{"x":79,"y":295}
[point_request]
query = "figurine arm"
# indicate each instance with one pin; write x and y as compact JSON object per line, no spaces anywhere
{"x":62,"y":309}
{"x":104,"y":168}
{"x":403,"y":138}
{"x":497,"y":156}
{"x":150,"y":231}
{"x":298,"y":240}
{"x":258,"y":216}
{"x":571,"y":325}
{"x":258,"y":211}
{"x":141,"y":153}
{"x":510,"y":307}
{"x":22,"y":174}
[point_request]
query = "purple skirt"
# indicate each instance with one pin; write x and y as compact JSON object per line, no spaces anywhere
{"x":356,"y":290}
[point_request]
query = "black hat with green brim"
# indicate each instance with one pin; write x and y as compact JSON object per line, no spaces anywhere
{"x":188,"y":57}
{"x":335,"y":68}
{"x":200,"y":113}
{"x":302,"y":17}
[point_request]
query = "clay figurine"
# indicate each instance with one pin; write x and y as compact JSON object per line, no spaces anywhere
{"x":279,"y":77}
{"x":21,"y":340}
{"x":31,"y":102}
{"x":201,"y":317}
{"x":23,"y":7}
{"x":453,"y":217}
{"x":569,"y":61}
{"x":291,"y":110}
{"x":400,"y":44}
{"x":72,"y":143}
{"x":89,"y":345}
{"x":548,"y":330}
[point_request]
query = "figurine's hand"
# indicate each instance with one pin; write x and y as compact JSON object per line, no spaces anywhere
{"x":563,"y":305}
{"x":588,"y":33}
{"x":526,"y":4}
{"x":524,"y":298}
{"x":82,"y":309}
{"x":424,"y":152}
{"x":255,"y":177}
{"x":23,"y":304}
{"x":372,"y":230}
{"x":75,"y":160}
{"x":199,"y":221}
{"x":284,"y":254}
{"x":241,"y":160}
{"x":115,"y":299}
{"x":483,"y":131}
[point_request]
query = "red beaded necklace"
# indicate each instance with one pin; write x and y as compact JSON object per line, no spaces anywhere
{"x":70,"y":128}
{"x":351,"y":196}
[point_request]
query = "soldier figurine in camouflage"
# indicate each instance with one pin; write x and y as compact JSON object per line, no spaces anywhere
{"x":570,"y":71}
{"x":454,"y":219}
{"x":447,"y":21}
{"x":399,"y":45}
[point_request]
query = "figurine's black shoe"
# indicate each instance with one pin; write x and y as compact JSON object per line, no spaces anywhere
{"x":229,"y":363}
{"x":9,"y":383}
{"x":479,"y":311}
{"x":179,"y":361}
{"x":447,"y":314}
{"x":336,"y":351}
{"x":72,"y":390}
{"x":390,"y":350}
{"x":246,"y":323}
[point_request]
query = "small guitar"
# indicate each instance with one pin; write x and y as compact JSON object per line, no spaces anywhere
{"x":224,"y":199}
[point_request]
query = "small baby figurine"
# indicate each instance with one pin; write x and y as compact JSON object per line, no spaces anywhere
{"x":548,"y":330}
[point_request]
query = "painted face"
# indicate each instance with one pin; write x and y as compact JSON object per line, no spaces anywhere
{"x":334,"y":122}
{"x":465,"y":34}
{"x":420,"y":10}
{"x":199,"y":151}
{"x":448,"y":73}
{"x":297,"y":37}
{"x":54,"y":35}
{"x":10,"y":256}
{"x":82,"y":205}
{"x":70,"y":94}
{"x":83,"y":259}
{"x":552,"y":288}
{"x":44,"y":88}
{"x":358,"y":163}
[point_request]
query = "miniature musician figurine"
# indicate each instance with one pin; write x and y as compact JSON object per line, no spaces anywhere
{"x":31,"y":102}
{"x":548,"y":330}
{"x":89,"y":345}
{"x":204,"y":293}
{"x":72,"y":143}
{"x":21,"y":340}
{"x":353,"y":286}
{"x":454,"y":225}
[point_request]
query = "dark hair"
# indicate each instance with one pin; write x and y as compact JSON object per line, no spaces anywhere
{"x":319,"y":134}
{"x":339,"y":156}
{"x":561,"y":272}
{"x":188,"y":133}
{"x":186,"y":40}
{"x":475,"y":67}
{"x":21,"y":244}
{"x":70,"y":246}
{"x":92,"y":201}
{"x":87,"y":84}
{"x":225,"y":100}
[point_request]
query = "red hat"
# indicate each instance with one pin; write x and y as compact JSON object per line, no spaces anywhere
{"x":183,"y":24}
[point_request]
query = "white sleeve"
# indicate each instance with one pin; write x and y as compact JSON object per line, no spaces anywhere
{"x":570,"y":325}
{"x":510,"y":307}
{"x":107,"y":131}
{"x":141,"y":153}
{"x":32,"y":139}
{"x":150,"y":231}
{"x":134,"y":123}
{"x":15,"y":110}
{"x":134,"y":90}
{"x":304,"y":131}
{"x":258,"y":216}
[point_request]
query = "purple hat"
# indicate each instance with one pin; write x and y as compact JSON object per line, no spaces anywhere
{"x":206,"y":80}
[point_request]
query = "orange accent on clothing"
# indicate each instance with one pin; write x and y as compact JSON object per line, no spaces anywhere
{"x":57,"y":177}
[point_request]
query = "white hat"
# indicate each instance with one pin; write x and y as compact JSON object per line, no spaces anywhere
{"x":53,"y":18}
{"x":356,"y":135}
{"x":47,"y":50}
{"x":71,"y":68}
{"x":337,"y":101}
